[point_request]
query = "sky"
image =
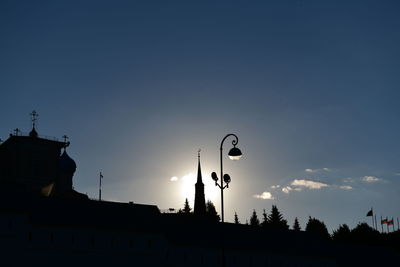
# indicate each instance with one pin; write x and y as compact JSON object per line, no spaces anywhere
{"x":309,"y":87}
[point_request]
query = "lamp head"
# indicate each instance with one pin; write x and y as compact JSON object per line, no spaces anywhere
{"x":227,"y":178}
{"x":235,"y":153}
{"x":214,"y":176}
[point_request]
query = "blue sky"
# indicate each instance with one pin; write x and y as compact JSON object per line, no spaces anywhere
{"x":310,"y":88}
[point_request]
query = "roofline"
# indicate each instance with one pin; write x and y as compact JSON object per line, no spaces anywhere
{"x":16,"y":137}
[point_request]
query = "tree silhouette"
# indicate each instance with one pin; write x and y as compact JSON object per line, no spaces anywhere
{"x":275,"y":219}
{"x":296,"y":225}
{"x":236,"y":219}
{"x":186,"y":207}
{"x":211,"y":212}
{"x":264,"y":222}
{"x":342,"y":233}
{"x":254,"y":221}
{"x":316,"y":226}
{"x":363,"y":233}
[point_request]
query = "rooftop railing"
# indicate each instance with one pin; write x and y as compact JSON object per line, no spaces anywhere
{"x":21,"y":133}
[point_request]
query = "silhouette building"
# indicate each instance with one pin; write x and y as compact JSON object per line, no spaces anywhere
{"x":29,"y":163}
{"x":32,"y":165}
{"x":44,"y":221}
{"x":199,"y":199}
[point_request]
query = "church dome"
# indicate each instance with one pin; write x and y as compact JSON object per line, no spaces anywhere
{"x":33,"y":133}
{"x":67,"y":164}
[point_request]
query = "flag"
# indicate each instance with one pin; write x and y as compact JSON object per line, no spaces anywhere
{"x":370,"y":213}
{"x":389,"y":222}
{"x":384,"y":221}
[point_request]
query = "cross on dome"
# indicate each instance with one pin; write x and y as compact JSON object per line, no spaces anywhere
{"x":34,"y":118}
{"x":17,"y":131}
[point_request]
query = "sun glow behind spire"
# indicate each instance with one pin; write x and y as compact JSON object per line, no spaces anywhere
{"x":186,"y":187}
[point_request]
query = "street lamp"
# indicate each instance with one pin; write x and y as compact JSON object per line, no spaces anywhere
{"x":234,"y":154}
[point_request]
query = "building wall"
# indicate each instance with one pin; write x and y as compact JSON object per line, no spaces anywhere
{"x":30,"y":163}
{"x":25,"y":243}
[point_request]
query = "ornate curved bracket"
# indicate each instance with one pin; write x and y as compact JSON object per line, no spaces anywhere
{"x":234,"y":142}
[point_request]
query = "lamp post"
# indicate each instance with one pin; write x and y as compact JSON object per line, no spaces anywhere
{"x":234,"y":154}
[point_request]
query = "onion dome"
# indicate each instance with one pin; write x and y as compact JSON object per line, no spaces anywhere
{"x":67,"y":164}
{"x":33,"y":133}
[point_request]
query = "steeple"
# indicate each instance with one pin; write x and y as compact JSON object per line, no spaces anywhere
{"x":199,"y":178}
{"x":199,"y":200}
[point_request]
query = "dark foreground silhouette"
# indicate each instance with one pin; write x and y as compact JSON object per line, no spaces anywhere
{"x":45,"y":222}
{"x":44,"y":230}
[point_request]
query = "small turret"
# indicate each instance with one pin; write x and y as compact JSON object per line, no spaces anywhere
{"x":67,"y":164}
{"x":33,"y":132}
{"x":67,"y":168}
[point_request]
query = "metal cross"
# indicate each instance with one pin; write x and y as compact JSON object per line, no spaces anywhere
{"x":65,"y":138}
{"x":16,"y":131}
{"x":34,"y":116}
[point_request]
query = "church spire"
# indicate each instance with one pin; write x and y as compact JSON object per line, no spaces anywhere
{"x":199,"y":177}
{"x":199,"y":200}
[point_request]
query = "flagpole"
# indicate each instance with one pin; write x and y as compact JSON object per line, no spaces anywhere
{"x":381,"y":225}
{"x":397,"y":223}
{"x":372,"y":217}
{"x":387,"y":226}
{"x":392,"y":224}
{"x":100,"y":177}
{"x":376,"y":225}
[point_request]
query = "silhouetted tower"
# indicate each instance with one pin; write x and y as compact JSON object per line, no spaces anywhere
{"x":199,"y":200}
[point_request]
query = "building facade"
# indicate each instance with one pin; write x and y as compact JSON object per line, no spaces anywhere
{"x":44,"y":222}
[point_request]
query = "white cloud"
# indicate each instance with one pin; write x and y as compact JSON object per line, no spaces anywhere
{"x":275,"y":186}
{"x":287,"y":189}
{"x":317,"y":170}
{"x":174,"y":179}
{"x":346,"y":187}
{"x":309,"y":184}
{"x":264,"y":195}
{"x":370,"y":179}
{"x":310,"y":170}
{"x":348,"y":180}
